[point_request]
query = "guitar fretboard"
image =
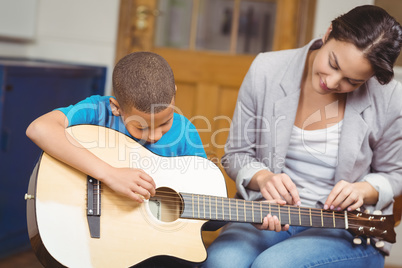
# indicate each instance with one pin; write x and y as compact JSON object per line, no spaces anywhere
{"x":238,"y":210}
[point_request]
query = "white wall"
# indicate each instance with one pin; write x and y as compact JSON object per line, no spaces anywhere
{"x":18,"y":20}
{"x":78,"y":31}
{"x":327,"y":10}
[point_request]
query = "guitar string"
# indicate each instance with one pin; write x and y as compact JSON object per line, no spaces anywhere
{"x":226,"y":201}
{"x":284,"y":209}
{"x":176,"y":214}
{"x":220,"y":215}
{"x":275,"y":208}
{"x":284,"y":215}
{"x":248,"y":204}
{"x":174,"y":211}
{"x":314,"y":212}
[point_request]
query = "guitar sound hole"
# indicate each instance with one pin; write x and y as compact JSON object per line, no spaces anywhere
{"x":166,"y":205}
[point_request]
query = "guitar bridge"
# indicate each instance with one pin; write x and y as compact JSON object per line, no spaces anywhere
{"x":93,"y":206}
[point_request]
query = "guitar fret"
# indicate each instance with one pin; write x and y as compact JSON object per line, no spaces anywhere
{"x":245,"y":216}
{"x":215,"y":204}
{"x":304,"y":217}
{"x":317,"y":220}
{"x":346,"y":220}
{"x":237,"y":210}
{"x":204,"y":207}
{"x":192,"y":197}
{"x":289,"y":215}
{"x":230,"y":212}
{"x":252,"y":210}
{"x":216,"y":208}
{"x":261,"y":210}
{"x":333,"y":218}
{"x":322,"y":220}
{"x":223,"y":210}
{"x":311,"y":223}
{"x":210,"y":208}
{"x":240,"y":211}
{"x":198,"y":205}
{"x":299,"y":217}
{"x":217,"y":215}
{"x":279,"y":211}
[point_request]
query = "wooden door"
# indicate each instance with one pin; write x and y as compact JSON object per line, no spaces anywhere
{"x":208,"y":80}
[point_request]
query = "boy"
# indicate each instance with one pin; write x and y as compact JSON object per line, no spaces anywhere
{"x":143,"y":108}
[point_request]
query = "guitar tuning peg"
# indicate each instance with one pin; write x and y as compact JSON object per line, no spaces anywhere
{"x":367,"y":211}
{"x":379,"y":244}
{"x":357,"y":241}
{"x":368,"y":241}
{"x":377,"y":212}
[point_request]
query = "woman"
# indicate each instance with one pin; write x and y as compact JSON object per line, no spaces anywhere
{"x":318,"y":127}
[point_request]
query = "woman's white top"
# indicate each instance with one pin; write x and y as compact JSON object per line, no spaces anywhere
{"x":311,"y":161}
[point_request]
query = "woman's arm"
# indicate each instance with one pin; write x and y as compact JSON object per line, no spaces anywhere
{"x":377,"y":189}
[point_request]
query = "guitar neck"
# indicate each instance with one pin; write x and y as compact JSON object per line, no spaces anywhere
{"x":237,"y":210}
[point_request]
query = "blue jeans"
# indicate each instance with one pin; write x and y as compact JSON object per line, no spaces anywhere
{"x":243,"y":245}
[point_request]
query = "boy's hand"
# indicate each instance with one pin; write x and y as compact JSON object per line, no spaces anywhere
{"x":131,"y":182}
{"x":272,"y":223}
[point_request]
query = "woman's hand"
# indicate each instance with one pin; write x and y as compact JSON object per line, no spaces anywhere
{"x":131,"y":182}
{"x":350,"y":196}
{"x":275,"y":186}
{"x":272,"y":223}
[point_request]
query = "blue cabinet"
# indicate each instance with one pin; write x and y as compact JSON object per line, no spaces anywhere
{"x":28,"y":90}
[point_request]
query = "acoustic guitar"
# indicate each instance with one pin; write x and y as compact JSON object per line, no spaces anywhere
{"x":76,"y":221}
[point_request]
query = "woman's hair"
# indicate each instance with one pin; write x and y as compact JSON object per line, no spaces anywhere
{"x":145,"y":81}
{"x":377,"y":34}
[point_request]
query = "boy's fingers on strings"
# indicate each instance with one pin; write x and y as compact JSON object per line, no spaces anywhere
{"x":142,"y":193}
{"x":138,"y":193}
{"x":134,"y":195}
{"x":146,"y":177}
{"x":137,"y":197}
{"x":271,"y":223}
{"x":147,"y":186}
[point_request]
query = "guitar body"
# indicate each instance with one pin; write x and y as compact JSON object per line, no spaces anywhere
{"x":129,"y":231}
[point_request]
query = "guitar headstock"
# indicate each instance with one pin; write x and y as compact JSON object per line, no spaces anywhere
{"x":370,"y":225}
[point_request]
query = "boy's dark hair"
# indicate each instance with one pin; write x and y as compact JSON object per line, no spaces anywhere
{"x":372,"y":30}
{"x":145,"y":81}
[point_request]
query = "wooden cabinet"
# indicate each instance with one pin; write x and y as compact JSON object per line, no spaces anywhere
{"x":28,"y":90}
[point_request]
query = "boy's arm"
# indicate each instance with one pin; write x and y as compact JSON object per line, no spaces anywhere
{"x":49,"y":133}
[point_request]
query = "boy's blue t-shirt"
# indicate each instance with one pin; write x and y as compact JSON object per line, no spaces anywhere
{"x":182,"y":138}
